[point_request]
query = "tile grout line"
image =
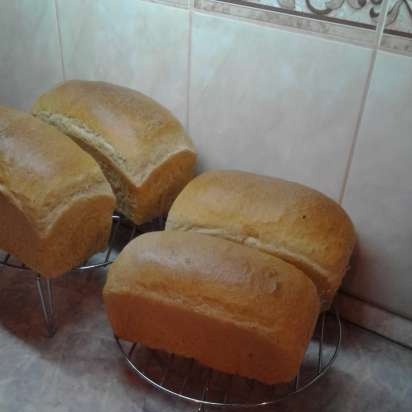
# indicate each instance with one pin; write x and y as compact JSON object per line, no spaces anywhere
{"x":379,"y":33}
{"x":381,"y":335}
{"x":59,"y":34}
{"x":381,"y":24}
{"x":374,"y":305}
{"x":189,"y":67}
{"x":374,"y":319}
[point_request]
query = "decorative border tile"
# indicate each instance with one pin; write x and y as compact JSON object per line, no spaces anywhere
{"x":359,"y":33}
{"x":183,"y":4}
{"x":345,"y":11}
{"x":396,"y":44}
{"x":355,"y":12}
{"x":354,"y":21}
{"x":399,"y":17}
{"x":375,"y":319}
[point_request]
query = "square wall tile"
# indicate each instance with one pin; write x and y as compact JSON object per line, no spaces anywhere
{"x":30,"y":60}
{"x":134,"y":43}
{"x":379,"y":190}
{"x":274,"y":102}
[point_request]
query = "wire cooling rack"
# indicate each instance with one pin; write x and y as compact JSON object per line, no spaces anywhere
{"x":123,"y":231}
{"x":188,"y":380}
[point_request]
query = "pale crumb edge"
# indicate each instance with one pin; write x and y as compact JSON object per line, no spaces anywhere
{"x":76,"y":129}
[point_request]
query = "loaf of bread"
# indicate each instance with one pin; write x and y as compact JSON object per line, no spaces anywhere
{"x":55,"y":203}
{"x":141,"y":148}
{"x":286,"y":219}
{"x":231,"y":307}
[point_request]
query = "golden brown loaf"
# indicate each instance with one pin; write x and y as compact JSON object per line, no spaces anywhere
{"x":229,"y":306}
{"x":286,"y":219}
{"x":55,"y":203}
{"x":142,"y":149}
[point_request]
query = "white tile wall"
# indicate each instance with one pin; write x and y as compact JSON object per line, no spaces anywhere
{"x":379,"y":189}
{"x":134,"y":43}
{"x":274,"y":102}
{"x":29,"y":51}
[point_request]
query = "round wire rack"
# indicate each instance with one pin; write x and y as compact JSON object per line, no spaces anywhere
{"x":190,"y":381}
{"x":122,"y":232}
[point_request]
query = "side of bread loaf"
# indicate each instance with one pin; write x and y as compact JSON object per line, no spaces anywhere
{"x":229,"y":306}
{"x":55,"y":203}
{"x":141,"y":147}
{"x":286,"y":219}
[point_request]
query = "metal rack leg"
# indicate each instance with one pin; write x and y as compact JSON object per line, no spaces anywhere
{"x":45,"y":292}
{"x":205,"y":390}
{"x":321,"y":339}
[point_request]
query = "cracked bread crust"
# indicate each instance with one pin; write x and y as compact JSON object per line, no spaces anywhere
{"x":286,"y":219}
{"x":133,"y":138}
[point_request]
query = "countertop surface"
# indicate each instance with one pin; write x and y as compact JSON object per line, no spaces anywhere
{"x":80,"y":369}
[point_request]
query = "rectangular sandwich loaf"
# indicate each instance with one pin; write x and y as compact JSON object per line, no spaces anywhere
{"x":293,"y":222}
{"x":141,"y":147}
{"x":55,"y":203}
{"x":229,"y":306}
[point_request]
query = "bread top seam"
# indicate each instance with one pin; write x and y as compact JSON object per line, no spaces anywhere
{"x":249,"y":241}
{"x":76,"y":129}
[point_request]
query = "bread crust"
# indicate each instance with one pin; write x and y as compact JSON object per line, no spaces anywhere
{"x":55,"y":203}
{"x":130,"y":135}
{"x":229,"y":306}
{"x":286,"y":219}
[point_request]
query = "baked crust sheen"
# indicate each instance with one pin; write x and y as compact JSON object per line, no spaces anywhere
{"x":229,"y":306}
{"x":142,"y":148}
{"x":286,"y":219}
{"x":55,"y":203}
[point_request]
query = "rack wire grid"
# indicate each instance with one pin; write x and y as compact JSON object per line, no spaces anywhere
{"x":184,"y":378}
{"x":122,"y":232}
{"x":190,"y":381}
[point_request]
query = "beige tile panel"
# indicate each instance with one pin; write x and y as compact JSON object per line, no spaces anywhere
{"x":378,"y":195}
{"x":274,"y":102}
{"x":134,"y":43}
{"x":30,"y":60}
